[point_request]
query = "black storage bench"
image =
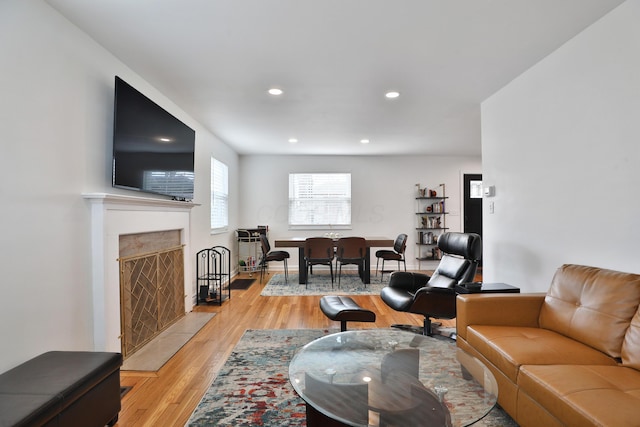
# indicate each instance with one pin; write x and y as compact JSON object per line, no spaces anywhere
{"x":345,"y":309}
{"x":62,"y":388}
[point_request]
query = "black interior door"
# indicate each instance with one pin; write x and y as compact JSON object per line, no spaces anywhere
{"x":473,"y":203}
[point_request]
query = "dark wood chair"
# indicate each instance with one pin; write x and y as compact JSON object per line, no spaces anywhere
{"x":318,"y":251}
{"x":351,"y":250}
{"x":269,"y":255}
{"x":397,"y":254}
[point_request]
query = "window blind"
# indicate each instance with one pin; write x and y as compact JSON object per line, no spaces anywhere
{"x":219,"y":195}
{"x":320,"y":199}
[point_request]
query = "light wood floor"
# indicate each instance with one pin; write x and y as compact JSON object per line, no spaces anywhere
{"x":169,"y":396}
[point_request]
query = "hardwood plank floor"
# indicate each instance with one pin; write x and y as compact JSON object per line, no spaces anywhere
{"x":169,"y":396}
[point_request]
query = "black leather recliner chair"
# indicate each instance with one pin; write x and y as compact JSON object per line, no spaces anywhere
{"x":435,"y":296}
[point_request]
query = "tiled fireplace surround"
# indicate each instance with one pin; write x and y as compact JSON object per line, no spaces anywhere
{"x":115,"y":215}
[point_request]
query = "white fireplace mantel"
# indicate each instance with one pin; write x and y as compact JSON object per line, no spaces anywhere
{"x":132,"y":201}
{"x":113,"y":215}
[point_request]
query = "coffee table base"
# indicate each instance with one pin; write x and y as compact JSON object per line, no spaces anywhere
{"x":429,"y":413}
{"x":316,"y":418}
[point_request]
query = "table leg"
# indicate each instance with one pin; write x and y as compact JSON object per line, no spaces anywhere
{"x":302,"y":268}
{"x":317,"y":419}
{"x":367,"y":267}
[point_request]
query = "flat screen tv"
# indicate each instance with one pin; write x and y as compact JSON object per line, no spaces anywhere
{"x":153,"y":151}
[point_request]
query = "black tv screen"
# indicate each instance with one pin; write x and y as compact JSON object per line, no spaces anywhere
{"x":153,"y":151}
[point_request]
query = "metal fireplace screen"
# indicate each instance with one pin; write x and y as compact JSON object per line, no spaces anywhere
{"x":151,"y":296}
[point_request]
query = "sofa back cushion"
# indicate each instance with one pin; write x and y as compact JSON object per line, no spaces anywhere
{"x":631,"y":344}
{"x":591,"y":305}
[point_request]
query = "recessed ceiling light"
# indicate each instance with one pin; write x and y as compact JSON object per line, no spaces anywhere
{"x":293,"y":140}
{"x":364,"y":141}
{"x":275,"y":91}
{"x":392,"y":94}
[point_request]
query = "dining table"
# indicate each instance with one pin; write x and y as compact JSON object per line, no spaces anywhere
{"x":298,"y":242}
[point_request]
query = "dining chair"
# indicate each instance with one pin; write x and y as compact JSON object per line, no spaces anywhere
{"x":318,"y":251}
{"x":269,"y":255}
{"x":397,"y":254}
{"x":351,"y":250}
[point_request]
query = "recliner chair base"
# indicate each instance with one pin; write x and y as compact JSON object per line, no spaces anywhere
{"x":427,"y":329}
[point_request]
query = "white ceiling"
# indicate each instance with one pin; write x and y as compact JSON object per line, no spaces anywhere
{"x":334,"y":59}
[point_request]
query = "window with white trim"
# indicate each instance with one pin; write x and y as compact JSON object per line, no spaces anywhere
{"x":219,"y":195}
{"x":320,"y":199}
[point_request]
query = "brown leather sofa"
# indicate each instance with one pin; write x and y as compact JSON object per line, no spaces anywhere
{"x":570,"y":357}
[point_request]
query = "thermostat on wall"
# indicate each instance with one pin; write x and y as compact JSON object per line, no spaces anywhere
{"x":489,"y":191}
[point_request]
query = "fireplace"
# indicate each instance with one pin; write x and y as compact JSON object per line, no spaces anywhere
{"x":151,"y":286}
{"x":144,"y":225}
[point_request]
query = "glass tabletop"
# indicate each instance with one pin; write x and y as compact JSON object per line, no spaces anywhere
{"x":390,"y":377}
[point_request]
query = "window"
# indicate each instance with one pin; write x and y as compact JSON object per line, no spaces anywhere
{"x":475,"y":189}
{"x":320,"y":199}
{"x":219,"y":195}
{"x":176,"y":183}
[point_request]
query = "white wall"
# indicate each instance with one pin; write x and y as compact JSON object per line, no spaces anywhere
{"x":561,"y":145}
{"x":56,"y":117}
{"x":383,"y":192}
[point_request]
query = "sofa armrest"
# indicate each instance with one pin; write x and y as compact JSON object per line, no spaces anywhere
{"x":497,"y":309}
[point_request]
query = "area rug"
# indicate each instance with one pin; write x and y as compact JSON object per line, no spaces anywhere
{"x":241,"y":284}
{"x":449,"y":332}
{"x":320,"y":284}
{"x":253,"y":389}
{"x":158,"y":351}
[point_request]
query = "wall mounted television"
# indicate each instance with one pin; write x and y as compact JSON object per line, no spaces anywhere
{"x":153,"y":151}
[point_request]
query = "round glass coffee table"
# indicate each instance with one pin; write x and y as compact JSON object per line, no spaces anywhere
{"x":378,"y":377}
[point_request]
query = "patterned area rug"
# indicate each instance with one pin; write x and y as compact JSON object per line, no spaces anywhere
{"x":320,"y":284}
{"x":253,"y":389}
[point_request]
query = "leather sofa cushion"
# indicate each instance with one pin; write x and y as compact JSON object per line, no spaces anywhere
{"x":631,"y":344}
{"x":509,"y":347}
{"x":591,"y":305}
{"x":585,"y":395}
